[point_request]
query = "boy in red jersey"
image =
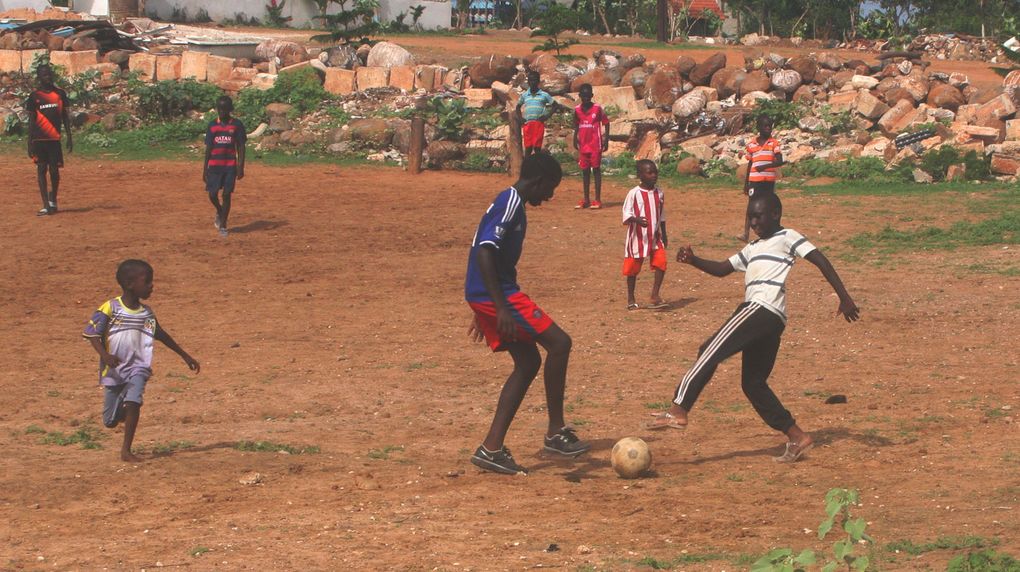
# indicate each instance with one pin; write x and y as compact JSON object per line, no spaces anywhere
{"x":47,"y":109}
{"x":591,"y":139}
{"x":763,"y":158}
{"x":224,"y":159}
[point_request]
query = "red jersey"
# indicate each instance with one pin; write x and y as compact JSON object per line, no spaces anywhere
{"x":223,"y":139}
{"x":46,"y":114}
{"x":589,"y":128}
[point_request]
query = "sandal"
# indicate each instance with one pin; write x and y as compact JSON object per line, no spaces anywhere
{"x":633,"y":306}
{"x":666,"y":420}
{"x":794,"y":451}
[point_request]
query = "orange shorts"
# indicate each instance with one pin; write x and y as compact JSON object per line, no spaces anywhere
{"x":632,"y":266}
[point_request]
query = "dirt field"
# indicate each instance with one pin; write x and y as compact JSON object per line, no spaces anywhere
{"x":333,"y":317}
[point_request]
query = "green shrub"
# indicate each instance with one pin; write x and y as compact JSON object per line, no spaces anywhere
{"x":852,"y":169}
{"x":171,"y":99}
{"x":479,"y":161}
{"x":984,"y":561}
{"x":301,"y":88}
{"x":450,"y":114}
{"x":784,"y":114}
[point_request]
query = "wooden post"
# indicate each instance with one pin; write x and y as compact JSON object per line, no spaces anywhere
{"x":661,"y":22}
{"x":417,"y":146}
{"x":514,"y":145}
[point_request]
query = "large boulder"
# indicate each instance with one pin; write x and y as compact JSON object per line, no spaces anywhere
{"x":388,"y":55}
{"x":689,"y":167}
{"x":805,"y":66}
{"x":945,"y":96}
{"x":917,"y":87}
{"x":344,"y":56}
{"x":634,"y":60}
{"x":662,"y":87}
{"x":492,"y":68}
{"x":751,"y":99}
{"x":755,"y":81}
{"x":636,"y":78}
{"x":371,"y":131}
{"x":690,"y":104}
{"x":557,"y":81}
{"x":726,"y":81}
{"x":685,"y":64}
{"x":786,"y":80}
{"x":593,"y":77}
{"x":830,"y":61}
{"x":441,"y":152}
{"x":284,"y":53}
{"x":702,"y":73}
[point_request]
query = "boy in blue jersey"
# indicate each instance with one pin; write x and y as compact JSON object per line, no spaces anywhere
{"x":509,"y":321}
{"x":534,"y":107}
{"x":224,"y":159}
{"x":122,"y":332}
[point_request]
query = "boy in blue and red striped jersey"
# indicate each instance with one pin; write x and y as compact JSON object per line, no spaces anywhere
{"x":224,"y":159}
{"x":764,"y":156}
{"x":47,"y":109}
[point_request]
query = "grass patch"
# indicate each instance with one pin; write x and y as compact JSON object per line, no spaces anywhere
{"x":667,"y":564}
{"x":164,"y":448}
{"x":984,"y":561}
{"x":890,"y":188}
{"x":658,"y":405}
{"x":384,"y":453}
{"x":34,"y":430}
{"x":199,"y":550}
{"x":270,"y":447}
{"x":941,"y":543}
{"x":1004,"y":229}
{"x":88,"y":436}
{"x":658,"y":46}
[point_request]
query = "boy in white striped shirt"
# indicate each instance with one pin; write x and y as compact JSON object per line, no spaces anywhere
{"x":645,"y":219}
{"x":756,"y":326}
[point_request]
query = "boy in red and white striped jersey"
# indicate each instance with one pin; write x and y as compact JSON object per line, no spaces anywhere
{"x":224,"y":159}
{"x":645,"y":219}
{"x":764,"y":156}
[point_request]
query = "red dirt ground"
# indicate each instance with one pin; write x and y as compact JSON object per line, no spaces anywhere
{"x":333,"y":317}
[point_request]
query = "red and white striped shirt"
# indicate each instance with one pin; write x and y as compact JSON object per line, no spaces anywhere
{"x":642,"y":240}
{"x":762,"y":154}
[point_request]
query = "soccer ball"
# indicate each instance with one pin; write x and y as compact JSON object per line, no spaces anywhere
{"x":631,"y":457}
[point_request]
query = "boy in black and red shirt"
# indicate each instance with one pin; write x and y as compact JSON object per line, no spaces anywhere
{"x":224,"y":159}
{"x":47,"y":109}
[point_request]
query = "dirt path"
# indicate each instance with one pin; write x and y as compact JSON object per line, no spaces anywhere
{"x":332,"y":317}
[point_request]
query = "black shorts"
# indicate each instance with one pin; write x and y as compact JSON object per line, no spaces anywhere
{"x":47,"y":153}
{"x":761,"y":187}
{"x":216,"y":180}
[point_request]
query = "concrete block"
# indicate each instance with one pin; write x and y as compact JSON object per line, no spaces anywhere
{"x":402,"y":77}
{"x":144,"y":65}
{"x":609,"y":96}
{"x":243,"y":74}
{"x":428,"y":77}
{"x":218,"y":69}
{"x":1005,"y":164}
{"x":27,"y":57}
{"x":10,"y":61}
{"x":370,"y":77}
{"x":168,"y":67}
{"x":843,"y":100}
{"x":75,"y":62}
{"x":233,"y":85}
{"x":340,"y":81}
{"x":264,"y":81}
{"x":1013,"y":130}
{"x":194,"y":65}
{"x":107,"y":69}
{"x":1001,"y":107}
{"x":478,"y":98}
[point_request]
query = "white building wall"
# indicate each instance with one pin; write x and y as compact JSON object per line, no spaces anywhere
{"x":302,"y":12}
{"x":94,"y":7}
{"x":37,"y":5}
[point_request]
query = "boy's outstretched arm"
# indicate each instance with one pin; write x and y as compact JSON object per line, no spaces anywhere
{"x":846,"y":304}
{"x":715,"y":268}
{"x":108,"y":359}
{"x":164,"y":336}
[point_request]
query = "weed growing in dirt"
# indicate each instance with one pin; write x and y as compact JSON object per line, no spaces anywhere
{"x":198,"y":551}
{"x":659,"y":405}
{"x":1004,"y":229}
{"x":384,"y":453}
{"x":941,"y":543}
{"x":656,"y":564}
{"x":837,"y":510}
{"x":300,"y":88}
{"x":34,"y":430}
{"x":173,"y":98}
{"x":164,"y":448}
{"x":984,"y":561}
{"x":88,"y":436}
{"x":270,"y":447}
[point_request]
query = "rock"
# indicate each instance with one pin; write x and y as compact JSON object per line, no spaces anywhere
{"x":890,"y":119}
{"x":478,"y":98}
{"x":344,"y":57}
{"x":363,"y":51}
{"x":830,"y":61}
{"x":805,"y":66}
{"x":341,"y":148}
{"x":250,"y":479}
{"x":956,"y":172}
{"x":594,"y":77}
{"x":959,"y":80}
{"x":754,"y":81}
{"x":841,"y":78}
{"x":863,"y":82}
{"x":805,"y":94}
{"x":557,"y":82}
{"x":635,"y":78}
{"x":823,"y":77}
{"x":441,"y":152}
{"x":870,"y":106}
{"x":634,"y":60}
{"x":917,"y":87}
{"x":649,"y":147}
{"x":945,"y":96}
{"x":1013,"y":130}
{"x":119,"y":57}
{"x":493,"y":68}
{"x":702,"y":73}
{"x":905,"y":67}
{"x":843,"y":100}
{"x":372,"y":131}
{"x":689,"y":104}
{"x":662,"y":87}
{"x":699,"y":151}
{"x":689,"y":167}
{"x":897,"y":94}
{"x":922,"y":177}
{"x":813,"y":124}
{"x":876,"y":147}
{"x":55,"y":42}
{"x":283,"y":53}
{"x":685,"y":65}
{"x":1001,"y":108}
{"x":1012,"y":80}
{"x":786,"y":80}
{"x":387,"y":55}
{"x":727,"y":81}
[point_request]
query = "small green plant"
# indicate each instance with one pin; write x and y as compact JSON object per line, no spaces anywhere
{"x":384,"y":453}
{"x":274,"y":14}
{"x":450,"y":114}
{"x":850,"y":169}
{"x":198,"y":551}
{"x":479,"y":161}
{"x":837,"y":511}
{"x":941,"y":543}
{"x":553,"y":19}
{"x":784,"y":114}
{"x":984,"y":561}
{"x":164,"y":448}
{"x":351,"y":24}
{"x":171,"y":98}
{"x":87,"y":436}
{"x":838,"y":121}
{"x":34,"y":430}
{"x":100,"y":140}
{"x":300,"y":88}
{"x":270,"y":447}
{"x":658,"y":405}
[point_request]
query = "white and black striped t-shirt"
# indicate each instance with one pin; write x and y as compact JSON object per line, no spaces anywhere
{"x":766,"y":263}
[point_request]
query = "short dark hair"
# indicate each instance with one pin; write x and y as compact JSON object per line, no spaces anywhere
{"x":643,"y":162}
{"x":225,"y":100}
{"x":534,"y":74}
{"x":543,"y":165}
{"x":584,"y":87}
{"x":764,"y":119}
{"x":129,"y":269}
{"x":43,"y":67}
{"x":771,"y":201}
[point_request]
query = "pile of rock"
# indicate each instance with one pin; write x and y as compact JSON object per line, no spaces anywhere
{"x":958,"y":47}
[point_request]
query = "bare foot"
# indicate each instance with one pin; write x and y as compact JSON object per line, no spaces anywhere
{"x":129,"y":457}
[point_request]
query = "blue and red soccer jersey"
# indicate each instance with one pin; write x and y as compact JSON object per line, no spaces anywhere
{"x":502,"y":227}
{"x":224,"y":138}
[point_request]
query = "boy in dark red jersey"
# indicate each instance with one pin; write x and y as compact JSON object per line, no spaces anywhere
{"x":47,"y":111}
{"x":224,"y":159}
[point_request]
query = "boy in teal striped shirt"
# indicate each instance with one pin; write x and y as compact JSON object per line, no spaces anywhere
{"x":534,"y":107}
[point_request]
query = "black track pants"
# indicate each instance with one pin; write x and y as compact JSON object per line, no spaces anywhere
{"x":755,"y":331}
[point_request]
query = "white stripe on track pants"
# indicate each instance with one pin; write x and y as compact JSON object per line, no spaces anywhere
{"x":755,"y":331}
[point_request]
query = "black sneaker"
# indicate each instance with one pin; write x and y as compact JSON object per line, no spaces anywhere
{"x":497,"y":461}
{"x":566,"y":443}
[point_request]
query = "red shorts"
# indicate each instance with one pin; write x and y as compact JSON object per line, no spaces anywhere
{"x":533,"y":133}
{"x":632,"y":266}
{"x":531,"y":320}
{"x":589,"y":160}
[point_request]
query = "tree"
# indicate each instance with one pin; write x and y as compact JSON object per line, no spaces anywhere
{"x":352,"y":24}
{"x":554,"y":19}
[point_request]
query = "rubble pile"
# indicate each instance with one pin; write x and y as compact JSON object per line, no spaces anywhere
{"x":958,"y":47}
